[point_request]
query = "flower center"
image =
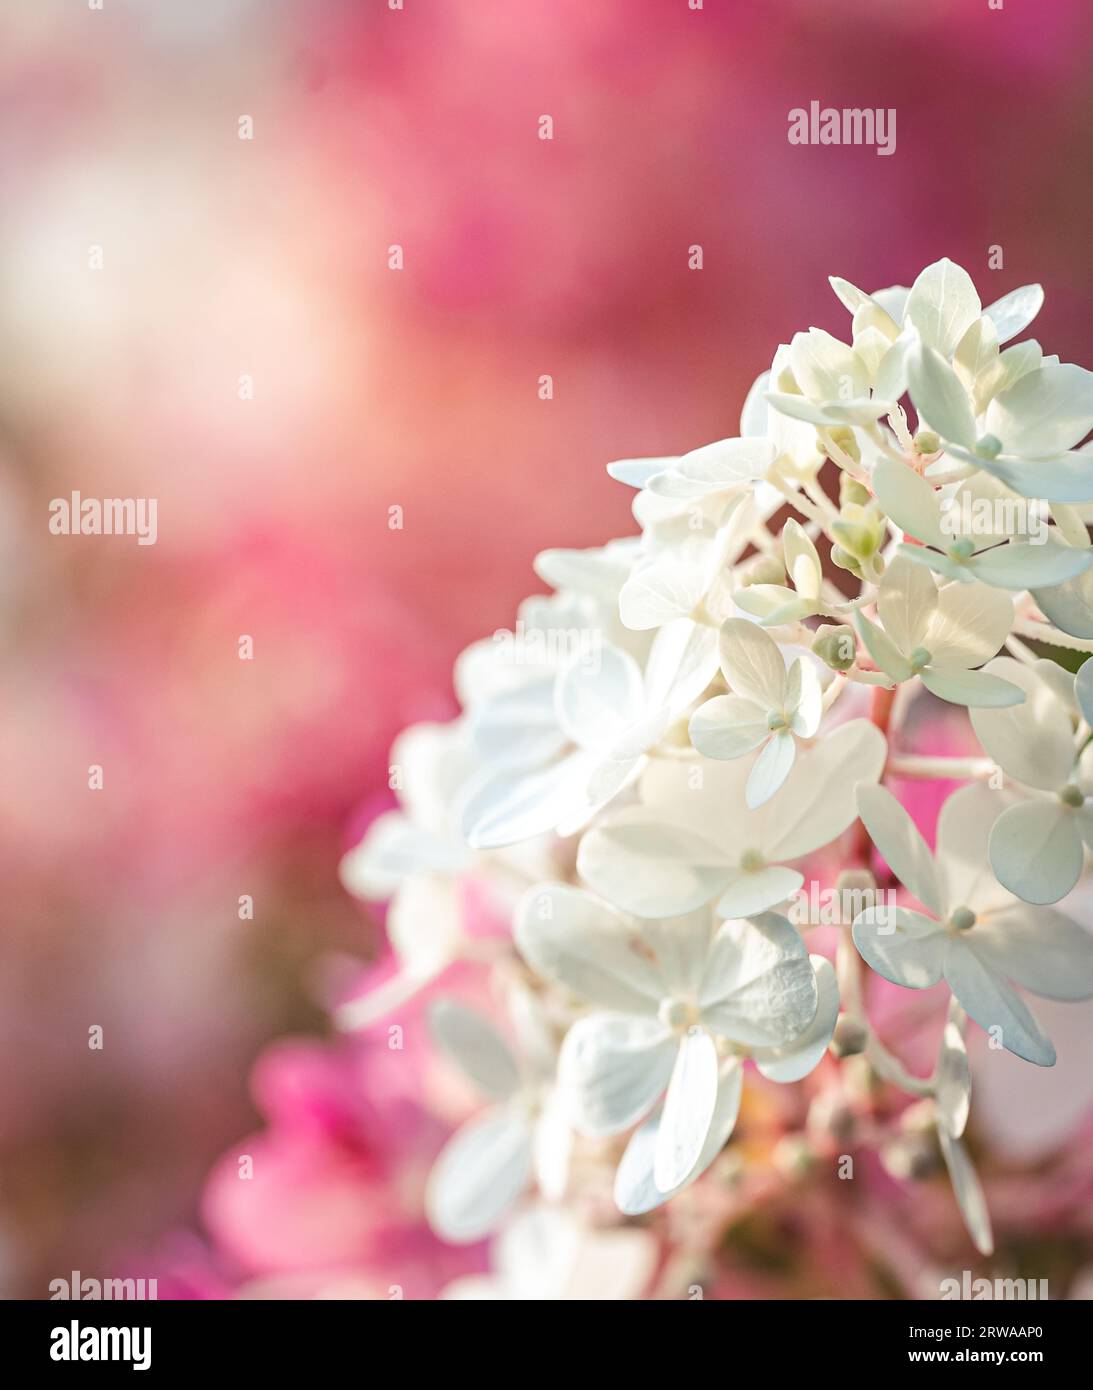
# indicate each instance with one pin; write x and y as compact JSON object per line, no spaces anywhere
{"x":678,"y":1014}
{"x":962,"y":918}
{"x":1072,"y":796}
{"x":751,"y":861}
{"x":963,"y":548}
{"x":776,"y":720}
{"x":989,"y":447}
{"x":919,"y":658}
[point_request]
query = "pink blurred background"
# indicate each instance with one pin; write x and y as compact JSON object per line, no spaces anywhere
{"x":268,"y":258}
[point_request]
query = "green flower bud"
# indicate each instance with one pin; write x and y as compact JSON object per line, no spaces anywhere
{"x":836,"y":646}
{"x":926,"y":442}
{"x":845,"y":560}
{"x":852,"y":493}
{"x":846,"y":440}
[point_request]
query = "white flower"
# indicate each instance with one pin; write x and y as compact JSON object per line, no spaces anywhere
{"x":1027,"y":433}
{"x":714,"y":471}
{"x":916,"y":508}
{"x":938,"y":634}
{"x":546,"y":1254}
{"x":487,"y":1164}
{"x":685,"y":567}
{"x":636,"y":1189}
{"x":564,"y":744}
{"x":979,"y":937}
{"x":770,"y":706}
{"x":692,"y":841}
{"x":1036,"y":846}
{"x":672,"y":989}
{"x":952,"y":1099}
{"x":826,"y":383}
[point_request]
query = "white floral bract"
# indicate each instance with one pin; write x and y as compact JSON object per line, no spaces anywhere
{"x":663,"y":750}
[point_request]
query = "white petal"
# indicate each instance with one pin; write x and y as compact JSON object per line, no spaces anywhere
{"x":595,"y":701}
{"x":753,"y":891}
{"x":475,"y":1046}
{"x":1032,"y":742}
{"x":1045,"y":412}
{"x":802,"y":560}
{"x":973,"y":689}
{"x":1083,"y":690}
{"x":572,"y":938}
{"x":939,"y":397}
{"x":1039,"y":949}
{"x":519,"y":726}
{"x":614,"y":1068}
{"x":954,"y":1081}
{"x":1022,"y":565}
{"x":637,"y":472}
{"x":770,"y":769}
{"x":728,"y":726}
{"x":636,"y":1191}
{"x":897,"y":838}
{"x":968,"y":1193}
{"x":679,"y":947}
{"x":1036,"y":850}
{"x":969,"y":626}
{"x":752,"y":663}
{"x":995,"y":1005}
{"x":759,"y":987}
{"x":963,"y":831}
{"x":883,"y":650}
{"x":942,"y":305}
{"x":650,"y":867}
{"x":728,"y":462}
{"x":903,"y":946}
{"x":516,"y":804}
{"x":805,"y":697}
{"x":910,"y":501}
{"x":688,"y":1110}
{"x":907,"y":603}
{"x":794,"y":1060}
{"x":818,"y":801}
{"x":661,"y":591}
{"x":681,"y":663}
{"x":394,"y":848}
{"x":1069,"y":606}
{"x":1013,"y":313}
{"x":480,"y":1173}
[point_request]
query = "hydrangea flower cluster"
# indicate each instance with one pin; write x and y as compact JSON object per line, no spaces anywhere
{"x":699,"y":720}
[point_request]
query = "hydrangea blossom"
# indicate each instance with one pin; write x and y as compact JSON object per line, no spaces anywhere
{"x":702,"y":723}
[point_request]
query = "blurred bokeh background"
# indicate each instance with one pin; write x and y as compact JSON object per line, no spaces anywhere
{"x":266,"y":261}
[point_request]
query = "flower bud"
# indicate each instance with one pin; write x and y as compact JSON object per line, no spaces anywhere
{"x":859,"y":530}
{"x":836,"y":646}
{"x":851,"y":492}
{"x":845,"y":560}
{"x":844,"y":438}
{"x":926,"y":442}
